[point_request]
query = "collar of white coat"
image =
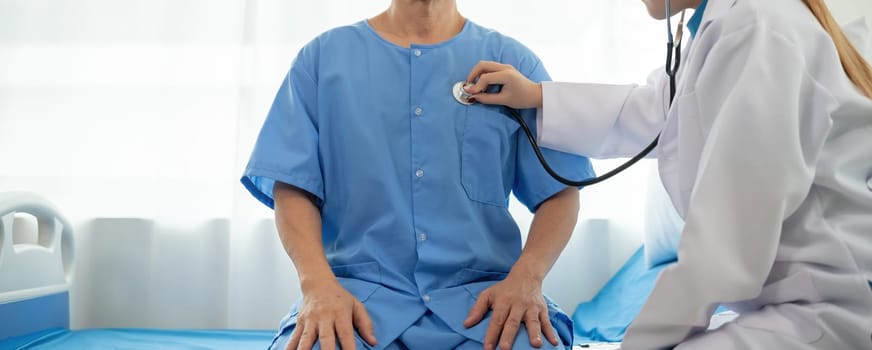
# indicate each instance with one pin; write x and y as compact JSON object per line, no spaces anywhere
{"x":713,"y":10}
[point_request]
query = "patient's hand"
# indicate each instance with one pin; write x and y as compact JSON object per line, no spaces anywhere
{"x":514,"y":300}
{"x":328,"y":311}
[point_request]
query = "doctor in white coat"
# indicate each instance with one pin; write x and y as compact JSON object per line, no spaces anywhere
{"x":766,"y":153}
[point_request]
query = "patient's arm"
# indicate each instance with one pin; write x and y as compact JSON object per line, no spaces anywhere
{"x":518,"y":299}
{"x":327,"y":309}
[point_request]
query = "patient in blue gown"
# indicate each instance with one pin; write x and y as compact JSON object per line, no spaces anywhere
{"x":391,"y":197}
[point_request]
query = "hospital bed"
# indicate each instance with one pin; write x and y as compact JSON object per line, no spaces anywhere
{"x":35,"y":279}
{"x":36,"y":276}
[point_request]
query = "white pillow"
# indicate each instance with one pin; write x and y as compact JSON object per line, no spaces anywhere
{"x":663,"y":225}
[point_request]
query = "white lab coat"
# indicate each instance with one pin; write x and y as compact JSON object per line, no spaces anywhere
{"x":767,"y":155}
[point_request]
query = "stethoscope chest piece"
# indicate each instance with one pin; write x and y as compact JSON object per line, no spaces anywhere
{"x":460,"y":94}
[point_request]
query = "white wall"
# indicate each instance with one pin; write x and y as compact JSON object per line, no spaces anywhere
{"x":846,"y":10}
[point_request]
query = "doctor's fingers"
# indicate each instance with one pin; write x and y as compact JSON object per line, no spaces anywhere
{"x":516,"y":90}
{"x":486,"y":67}
{"x":363,"y":323}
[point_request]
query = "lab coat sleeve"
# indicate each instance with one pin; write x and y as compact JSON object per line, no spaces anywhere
{"x":763,"y":121}
{"x":602,"y":121}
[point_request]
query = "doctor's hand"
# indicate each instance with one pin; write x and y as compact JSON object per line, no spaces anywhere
{"x":514,"y":300}
{"x":328,"y":311}
{"x":517,"y":91}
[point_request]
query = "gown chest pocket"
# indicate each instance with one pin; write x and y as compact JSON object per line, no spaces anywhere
{"x":488,"y":154}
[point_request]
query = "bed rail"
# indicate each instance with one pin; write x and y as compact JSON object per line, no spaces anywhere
{"x":33,"y":269}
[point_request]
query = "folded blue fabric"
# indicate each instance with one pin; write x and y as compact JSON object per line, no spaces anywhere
{"x":605,"y":318}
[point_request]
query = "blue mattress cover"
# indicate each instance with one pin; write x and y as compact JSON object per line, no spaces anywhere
{"x":605,"y":318}
{"x":131,"y":339}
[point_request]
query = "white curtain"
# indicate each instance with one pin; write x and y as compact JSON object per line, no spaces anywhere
{"x":136,"y":117}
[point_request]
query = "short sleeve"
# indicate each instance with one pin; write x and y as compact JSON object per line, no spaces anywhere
{"x":533,"y":185}
{"x":287,"y":147}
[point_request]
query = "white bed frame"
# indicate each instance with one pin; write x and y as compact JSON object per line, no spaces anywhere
{"x":35,"y":276}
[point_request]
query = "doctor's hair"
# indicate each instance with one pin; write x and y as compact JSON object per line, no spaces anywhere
{"x":855,"y":66}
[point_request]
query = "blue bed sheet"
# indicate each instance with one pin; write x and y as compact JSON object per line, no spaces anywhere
{"x":132,"y":339}
{"x":606,"y":317}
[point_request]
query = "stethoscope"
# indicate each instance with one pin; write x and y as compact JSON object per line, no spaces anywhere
{"x":463,"y":97}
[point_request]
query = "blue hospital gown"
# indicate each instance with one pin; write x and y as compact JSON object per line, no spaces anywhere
{"x":412,"y":186}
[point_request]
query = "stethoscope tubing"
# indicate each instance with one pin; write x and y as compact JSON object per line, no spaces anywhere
{"x":671,"y":71}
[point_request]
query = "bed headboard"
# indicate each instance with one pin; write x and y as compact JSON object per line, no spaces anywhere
{"x":35,"y":267}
